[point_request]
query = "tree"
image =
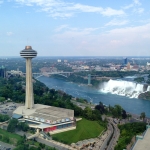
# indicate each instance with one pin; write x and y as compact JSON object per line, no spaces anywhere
{"x":124,"y":115}
{"x":22,"y":147}
{"x":88,"y":113}
{"x":12,"y":125}
{"x":143,"y":115}
{"x":6,"y":139}
{"x":21,"y":141}
{"x":23,"y":126}
{"x":2,"y":99}
{"x":117,"y":110}
{"x":100,"y":107}
{"x":129,"y":116}
{"x":42,"y":145}
{"x":4,"y":118}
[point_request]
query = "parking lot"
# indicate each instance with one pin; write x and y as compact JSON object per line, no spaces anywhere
{"x":5,"y":146}
{"x":8,"y":108}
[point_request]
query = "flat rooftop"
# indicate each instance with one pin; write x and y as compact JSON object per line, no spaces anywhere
{"x":44,"y":113}
{"x":143,"y":144}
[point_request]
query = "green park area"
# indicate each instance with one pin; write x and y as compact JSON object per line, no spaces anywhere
{"x":8,"y":137}
{"x":20,"y":142}
{"x":85,"y":129}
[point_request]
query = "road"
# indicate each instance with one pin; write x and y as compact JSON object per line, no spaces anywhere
{"x":50,"y":143}
{"x":115,"y":137}
{"x":5,"y":145}
{"x":110,"y":129}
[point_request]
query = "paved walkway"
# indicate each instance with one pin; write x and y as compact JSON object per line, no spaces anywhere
{"x":63,"y":145}
{"x":99,"y":141}
{"x":51,"y":143}
{"x":4,"y":146}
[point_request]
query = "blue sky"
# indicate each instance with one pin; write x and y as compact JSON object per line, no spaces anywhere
{"x":75,"y":28}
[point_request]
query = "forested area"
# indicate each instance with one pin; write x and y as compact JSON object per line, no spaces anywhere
{"x":113,"y":74}
{"x":15,"y":124}
{"x":14,"y":88}
{"x":127,"y":131}
{"x":139,"y":79}
{"x":4,"y":118}
{"x":72,"y":78}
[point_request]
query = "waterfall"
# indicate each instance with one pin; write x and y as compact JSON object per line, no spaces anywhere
{"x":148,"y":88}
{"x":123,"y":88}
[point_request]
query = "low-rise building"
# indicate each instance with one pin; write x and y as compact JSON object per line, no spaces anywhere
{"x":142,"y":141}
{"x":47,"y":118}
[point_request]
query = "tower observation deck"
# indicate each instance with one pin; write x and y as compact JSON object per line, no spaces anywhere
{"x":28,"y":53}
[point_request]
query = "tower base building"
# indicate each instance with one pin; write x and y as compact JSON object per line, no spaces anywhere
{"x":47,"y":118}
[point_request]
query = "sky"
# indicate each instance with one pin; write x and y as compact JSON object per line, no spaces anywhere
{"x":75,"y":27}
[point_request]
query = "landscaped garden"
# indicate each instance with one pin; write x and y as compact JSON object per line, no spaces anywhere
{"x":85,"y":129}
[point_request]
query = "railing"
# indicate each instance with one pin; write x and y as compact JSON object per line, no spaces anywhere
{"x":45,"y":135}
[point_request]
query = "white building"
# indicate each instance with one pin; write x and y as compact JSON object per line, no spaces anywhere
{"x":59,"y":60}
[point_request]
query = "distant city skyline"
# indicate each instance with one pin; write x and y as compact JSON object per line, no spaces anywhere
{"x":75,"y":28}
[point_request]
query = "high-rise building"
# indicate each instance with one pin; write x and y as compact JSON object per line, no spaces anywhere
{"x":125,"y":61}
{"x":2,"y":72}
{"x":28,"y":53}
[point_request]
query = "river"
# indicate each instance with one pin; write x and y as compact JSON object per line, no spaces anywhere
{"x":132,"y":105}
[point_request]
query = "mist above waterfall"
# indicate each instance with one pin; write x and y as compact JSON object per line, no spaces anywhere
{"x":124,"y":88}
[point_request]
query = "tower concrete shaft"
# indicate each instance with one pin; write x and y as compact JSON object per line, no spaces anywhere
{"x":29,"y":102}
{"x":28,"y":53}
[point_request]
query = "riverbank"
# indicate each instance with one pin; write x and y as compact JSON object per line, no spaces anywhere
{"x":145,"y":96}
{"x":95,"y":96}
{"x":83,"y":81}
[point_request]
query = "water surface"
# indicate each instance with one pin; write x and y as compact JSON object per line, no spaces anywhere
{"x":132,"y":105}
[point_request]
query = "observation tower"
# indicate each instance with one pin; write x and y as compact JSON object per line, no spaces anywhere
{"x":28,"y":53}
{"x":38,"y":116}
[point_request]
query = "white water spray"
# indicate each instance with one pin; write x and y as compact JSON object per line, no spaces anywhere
{"x":124,"y":88}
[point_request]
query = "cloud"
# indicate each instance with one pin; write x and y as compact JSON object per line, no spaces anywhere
{"x":139,"y":10}
{"x":115,"y":22}
{"x":112,"y":12}
{"x":137,"y":2}
{"x":128,"y":6}
{"x":9,"y":33}
{"x":135,"y":6}
{"x":59,"y":8}
{"x":60,"y":28}
{"x":124,"y":41}
{"x":66,"y":28}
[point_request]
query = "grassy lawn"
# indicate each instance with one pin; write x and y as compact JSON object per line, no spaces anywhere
{"x":85,"y":129}
{"x":12,"y":136}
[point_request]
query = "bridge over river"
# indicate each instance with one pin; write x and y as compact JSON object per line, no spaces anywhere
{"x":47,"y":74}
